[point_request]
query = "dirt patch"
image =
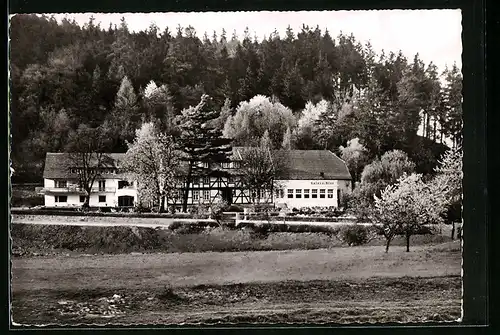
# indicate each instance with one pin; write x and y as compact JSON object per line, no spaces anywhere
{"x":407,"y":299}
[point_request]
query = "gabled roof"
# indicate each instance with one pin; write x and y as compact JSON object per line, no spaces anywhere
{"x":317,"y":164}
{"x":58,"y":165}
{"x":312,"y":165}
{"x":304,"y":165}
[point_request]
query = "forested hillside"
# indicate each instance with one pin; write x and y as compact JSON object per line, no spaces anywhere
{"x":308,"y":89}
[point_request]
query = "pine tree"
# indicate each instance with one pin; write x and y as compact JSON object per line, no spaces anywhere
{"x":453,"y":104}
{"x":287,"y":139}
{"x":200,"y":143}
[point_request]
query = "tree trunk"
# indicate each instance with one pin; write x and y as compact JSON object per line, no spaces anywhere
{"x":424,"y":123}
{"x":427,"y":126}
{"x":186,"y":191}
{"x":434,"y":130}
{"x":162,"y":204}
{"x":453,"y":230}
{"x":388,"y":242}
{"x":408,"y":242}
{"x":86,"y":204}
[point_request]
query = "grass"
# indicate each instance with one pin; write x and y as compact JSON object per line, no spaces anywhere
{"x":340,"y":285}
{"x":151,"y":270}
{"x":33,"y":239}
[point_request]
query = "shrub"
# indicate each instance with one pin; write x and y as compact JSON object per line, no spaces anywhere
{"x":217,"y":207}
{"x":234,"y":208}
{"x":354,"y":235}
{"x":180,"y":227}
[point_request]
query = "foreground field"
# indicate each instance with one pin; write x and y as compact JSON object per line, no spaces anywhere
{"x":361,"y":284}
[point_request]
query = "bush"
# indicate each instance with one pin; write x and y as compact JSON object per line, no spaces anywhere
{"x":354,"y":235}
{"x":180,"y":227}
{"x":234,"y":208}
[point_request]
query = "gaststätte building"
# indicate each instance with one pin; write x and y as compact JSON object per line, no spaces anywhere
{"x":315,"y":178}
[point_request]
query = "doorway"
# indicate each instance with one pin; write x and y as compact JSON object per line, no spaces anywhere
{"x":125,"y":201}
{"x":227,"y":195}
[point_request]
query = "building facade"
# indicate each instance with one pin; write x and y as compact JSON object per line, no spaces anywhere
{"x":61,"y":188}
{"x":316,"y":178}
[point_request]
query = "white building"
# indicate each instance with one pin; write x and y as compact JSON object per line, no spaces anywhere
{"x":61,"y":184}
{"x":316,"y":178}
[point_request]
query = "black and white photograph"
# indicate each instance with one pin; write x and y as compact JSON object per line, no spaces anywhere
{"x":225,"y":168}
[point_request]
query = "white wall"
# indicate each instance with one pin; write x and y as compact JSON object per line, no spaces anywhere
{"x":343,"y":185}
{"x":74,"y":199}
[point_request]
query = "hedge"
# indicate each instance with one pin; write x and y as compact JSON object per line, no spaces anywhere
{"x":77,"y":212}
{"x":276,"y":218}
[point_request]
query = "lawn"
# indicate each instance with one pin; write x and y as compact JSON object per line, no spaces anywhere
{"x":339,"y":285}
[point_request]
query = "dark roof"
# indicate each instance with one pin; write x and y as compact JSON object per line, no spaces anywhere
{"x":304,"y":164}
{"x":58,"y":165}
{"x":313,"y":165}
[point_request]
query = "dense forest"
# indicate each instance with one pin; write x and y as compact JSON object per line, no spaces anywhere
{"x":308,"y":89}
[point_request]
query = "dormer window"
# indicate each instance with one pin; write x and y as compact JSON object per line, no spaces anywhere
{"x":61,"y":184}
{"x":123,"y":184}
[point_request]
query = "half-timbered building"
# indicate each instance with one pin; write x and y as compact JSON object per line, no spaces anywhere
{"x":315,"y":178}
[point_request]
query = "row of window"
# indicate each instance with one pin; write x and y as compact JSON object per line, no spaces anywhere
{"x":306,"y":193}
{"x":224,"y":165}
{"x":101,"y":184}
{"x":206,"y":180}
{"x":205,"y":194}
{"x":64,"y":198}
{"x":102,"y":170}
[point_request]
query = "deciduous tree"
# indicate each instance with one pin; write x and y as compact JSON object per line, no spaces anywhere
{"x":153,"y":161}
{"x":86,"y":147}
{"x":406,"y":207}
{"x":355,"y":156}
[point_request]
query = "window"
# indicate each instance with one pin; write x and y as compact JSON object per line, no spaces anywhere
{"x":298,"y":193}
{"x":196,"y":195}
{"x":196,"y":181}
{"x":290,"y":193}
{"x":82,"y":198}
{"x":206,"y":195}
{"x":205,"y":165}
{"x":306,"y":193}
{"x":314,"y":193}
{"x":262,"y":194}
{"x":206,"y":180}
{"x":61,"y":184}
{"x":102,"y":185}
{"x":61,"y":198}
{"x":123,"y":184}
{"x":102,"y":198}
{"x":322,"y":193}
{"x":330,"y":193}
{"x":226,"y":165}
{"x":229,"y":179}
